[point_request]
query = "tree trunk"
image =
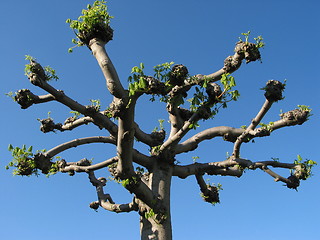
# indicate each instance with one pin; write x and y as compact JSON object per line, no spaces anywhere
{"x":158,"y":226}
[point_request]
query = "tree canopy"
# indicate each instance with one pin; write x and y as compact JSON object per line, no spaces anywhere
{"x":195,"y":102}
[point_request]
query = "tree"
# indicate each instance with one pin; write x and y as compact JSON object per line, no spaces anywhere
{"x":170,"y":83}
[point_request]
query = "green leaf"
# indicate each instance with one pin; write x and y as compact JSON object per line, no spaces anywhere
{"x":10,"y":147}
{"x":299,"y":158}
{"x":29,"y":149}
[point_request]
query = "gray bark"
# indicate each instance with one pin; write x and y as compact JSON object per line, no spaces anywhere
{"x":158,"y":227}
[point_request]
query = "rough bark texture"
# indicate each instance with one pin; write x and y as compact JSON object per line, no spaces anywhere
{"x":158,"y":226}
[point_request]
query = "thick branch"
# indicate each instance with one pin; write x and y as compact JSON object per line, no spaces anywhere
{"x":76,"y":167}
{"x":99,"y":119}
{"x":229,"y":167}
{"x":231,"y":134}
{"x":243,"y":50}
{"x":153,"y":139}
{"x":77,"y":142}
{"x":72,"y":123}
{"x":112,"y":80}
{"x":228,"y":133}
{"x":125,"y":142}
{"x":264,"y":109}
{"x":201,"y":168}
{"x":181,"y":133}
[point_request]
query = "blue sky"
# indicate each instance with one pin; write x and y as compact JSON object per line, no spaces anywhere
{"x":199,"y":34}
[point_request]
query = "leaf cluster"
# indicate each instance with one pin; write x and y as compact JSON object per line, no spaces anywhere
{"x":306,"y":167}
{"x":149,"y":214}
{"x":267,"y":126}
{"x":137,"y":82}
{"x":34,"y":67}
{"x":306,"y":109}
{"x":228,"y":83}
{"x":161,"y":127}
{"x":95,"y":16}
{"x":258,"y":40}
{"x":22,"y":161}
{"x":162,"y":71}
{"x":94,"y":103}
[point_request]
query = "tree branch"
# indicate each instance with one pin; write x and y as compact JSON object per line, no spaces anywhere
{"x":264,"y":109}
{"x":210,"y":193}
{"x":181,"y":133}
{"x":72,"y":123}
{"x":26,"y":98}
{"x":228,"y":133}
{"x":112,"y":80}
{"x":154,"y":139}
{"x":212,"y":168}
{"x":77,"y":142}
{"x":78,"y":167}
{"x":273,"y":93}
{"x":105,"y":200}
{"x":99,"y":119}
{"x":125,"y":141}
{"x":243,"y":50}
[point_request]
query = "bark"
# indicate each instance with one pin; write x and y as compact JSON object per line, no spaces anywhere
{"x":264,"y":109}
{"x":112,"y":80}
{"x":158,"y":227}
{"x":98,"y":118}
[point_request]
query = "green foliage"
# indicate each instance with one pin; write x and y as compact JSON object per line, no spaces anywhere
{"x":161,"y":127}
{"x":306,"y":109}
{"x":219,"y":187}
{"x":162,"y":71}
{"x":125,"y":182}
{"x":54,"y":168}
{"x":50,"y":73}
{"x":95,"y":103}
{"x":267,"y":126}
{"x":95,"y":15}
{"x":155,"y":150}
{"x":228,"y":82}
{"x":227,"y":95}
{"x":11,"y":95}
{"x":29,"y":58}
{"x":76,"y":114}
{"x":199,"y":98}
{"x":194,"y":125}
{"x":275,"y":159}
{"x":137,"y":82}
{"x":258,"y":40}
{"x":129,"y":181}
{"x":22,"y":161}
{"x":246,"y":37}
{"x":195,"y":158}
{"x":149,"y":214}
{"x":306,"y":167}
{"x":215,"y":188}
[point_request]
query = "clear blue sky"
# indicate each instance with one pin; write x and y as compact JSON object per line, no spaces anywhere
{"x":199,"y":34}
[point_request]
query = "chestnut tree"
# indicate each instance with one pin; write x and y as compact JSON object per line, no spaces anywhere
{"x":189,"y":100}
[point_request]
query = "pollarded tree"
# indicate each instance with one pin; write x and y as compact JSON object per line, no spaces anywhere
{"x":147,"y":176}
